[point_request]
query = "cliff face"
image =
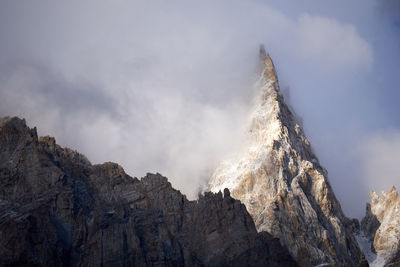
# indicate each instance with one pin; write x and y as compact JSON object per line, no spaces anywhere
{"x":284,"y":187}
{"x":381,"y":225}
{"x":57,"y":209}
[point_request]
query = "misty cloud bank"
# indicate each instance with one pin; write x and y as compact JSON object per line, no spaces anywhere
{"x":166,"y":86}
{"x":380,"y":154}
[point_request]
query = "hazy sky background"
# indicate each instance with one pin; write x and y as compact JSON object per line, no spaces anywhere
{"x":165,"y":86}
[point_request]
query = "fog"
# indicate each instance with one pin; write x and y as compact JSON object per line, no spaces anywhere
{"x":165,"y":87}
{"x":380,"y":154}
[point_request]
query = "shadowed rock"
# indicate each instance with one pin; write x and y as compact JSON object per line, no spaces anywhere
{"x":57,"y":209}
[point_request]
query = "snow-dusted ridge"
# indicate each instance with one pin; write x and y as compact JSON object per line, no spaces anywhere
{"x":284,"y":188}
{"x":381,"y":226}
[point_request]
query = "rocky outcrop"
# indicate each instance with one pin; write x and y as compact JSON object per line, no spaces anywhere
{"x":381,"y":225}
{"x":284,"y":187}
{"x":57,"y":209}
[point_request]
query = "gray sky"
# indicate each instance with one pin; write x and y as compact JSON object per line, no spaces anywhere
{"x":166,"y":85}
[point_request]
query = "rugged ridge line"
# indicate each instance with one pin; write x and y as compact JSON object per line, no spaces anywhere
{"x":57,"y":209}
{"x":381,"y":225}
{"x":284,"y":187}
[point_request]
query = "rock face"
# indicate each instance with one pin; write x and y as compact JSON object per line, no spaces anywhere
{"x":57,"y":209}
{"x":284,"y":187}
{"x":381,"y":225}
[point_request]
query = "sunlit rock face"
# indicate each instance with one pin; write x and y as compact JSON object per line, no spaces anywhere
{"x":381,"y":225}
{"x":284,"y":187}
{"x":57,"y":209}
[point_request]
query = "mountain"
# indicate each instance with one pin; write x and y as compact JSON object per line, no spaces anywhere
{"x":381,"y":226}
{"x":57,"y":209}
{"x":283,"y":185}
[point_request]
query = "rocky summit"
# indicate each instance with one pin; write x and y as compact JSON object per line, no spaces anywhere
{"x":57,"y":209}
{"x":283,"y":185}
{"x":381,"y":225}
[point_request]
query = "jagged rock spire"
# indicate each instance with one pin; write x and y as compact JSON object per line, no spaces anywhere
{"x":263,"y":53}
{"x":282,"y":184}
{"x":267,"y":66}
{"x":381,"y":225}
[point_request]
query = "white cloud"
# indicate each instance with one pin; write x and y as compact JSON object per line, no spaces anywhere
{"x":331,"y":43}
{"x":155,"y":85}
{"x":380,"y":154}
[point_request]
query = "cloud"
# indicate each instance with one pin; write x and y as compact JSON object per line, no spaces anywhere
{"x":165,"y":86}
{"x":37,"y":85}
{"x":154,"y":130}
{"x":380,"y":154}
{"x":330,"y":42}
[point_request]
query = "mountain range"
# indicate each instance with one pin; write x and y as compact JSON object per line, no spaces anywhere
{"x":270,"y":205}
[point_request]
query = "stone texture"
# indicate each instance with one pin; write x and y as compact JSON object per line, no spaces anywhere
{"x":381,"y":225}
{"x":284,"y":187}
{"x":57,"y":209}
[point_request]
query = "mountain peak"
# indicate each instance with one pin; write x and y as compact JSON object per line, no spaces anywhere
{"x":267,"y":66}
{"x":284,"y":188}
{"x":263,"y":53}
{"x":15,"y":122}
{"x":381,"y":225}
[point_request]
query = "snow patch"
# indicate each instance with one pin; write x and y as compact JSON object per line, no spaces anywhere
{"x":365,"y":245}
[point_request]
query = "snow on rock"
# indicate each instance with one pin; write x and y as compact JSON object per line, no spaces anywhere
{"x":284,"y":187}
{"x":366,"y":247}
{"x":381,"y":225}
